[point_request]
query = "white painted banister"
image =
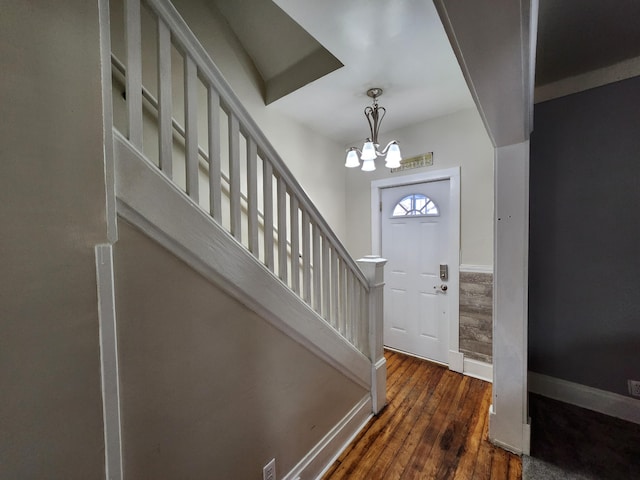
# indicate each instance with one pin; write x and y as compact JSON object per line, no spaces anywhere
{"x":187,"y":40}
{"x":297,"y":246}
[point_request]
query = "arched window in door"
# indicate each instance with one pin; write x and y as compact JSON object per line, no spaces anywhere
{"x":416,"y":205}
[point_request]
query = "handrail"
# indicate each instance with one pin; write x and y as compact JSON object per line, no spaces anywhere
{"x":288,"y":235}
{"x":182,"y":34}
{"x":148,"y":96}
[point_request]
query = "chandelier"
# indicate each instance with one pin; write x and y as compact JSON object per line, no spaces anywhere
{"x":370,"y":152}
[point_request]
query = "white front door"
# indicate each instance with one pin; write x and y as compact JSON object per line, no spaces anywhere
{"x":415,"y":228}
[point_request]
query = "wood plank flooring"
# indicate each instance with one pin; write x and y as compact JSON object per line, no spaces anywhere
{"x":434,"y":427}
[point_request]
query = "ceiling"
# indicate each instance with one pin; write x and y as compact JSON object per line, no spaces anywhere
{"x":318,"y":59}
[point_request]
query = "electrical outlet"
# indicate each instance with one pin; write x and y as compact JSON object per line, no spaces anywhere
{"x":269,"y":470}
{"x":634,"y":387}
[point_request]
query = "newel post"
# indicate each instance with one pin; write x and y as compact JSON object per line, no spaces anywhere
{"x":373,"y":268}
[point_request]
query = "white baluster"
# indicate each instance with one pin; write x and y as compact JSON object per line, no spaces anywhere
{"x":306,"y":258}
{"x":344,"y":298}
{"x":295,"y":244}
{"x":317,"y":270}
{"x":165,"y":106}
{"x":215,"y":173}
{"x":335,"y":290}
{"x":351,"y":308}
{"x":326,"y":279}
{"x":234,"y":177}
{"x":252,"y":196}
{"x":282,"y":230}
{"x":267,"y":189}
{"x":134,"y":71}
{"x":191,"y":126}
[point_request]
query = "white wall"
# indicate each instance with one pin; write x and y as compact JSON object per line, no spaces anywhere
{"x":458,"y":139}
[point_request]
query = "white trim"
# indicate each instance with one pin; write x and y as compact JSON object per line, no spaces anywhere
{"x":597,"y":78}
{"x":476,"y":268}
{"x":453,"y":175}
{"x":530,"y":69}
{"x":109,"y":362}
{"x":379,"y":385}
{"x":107,"y":120}
{"x":471,"y":368}
{"x":526,"y":437}
{"x":609,"y":403}
{"x":167,"y":215}
{"x":525,"y":429}
{"x":456,"y":361}
{"x":321,"y":457}
{"x":477,"y":369}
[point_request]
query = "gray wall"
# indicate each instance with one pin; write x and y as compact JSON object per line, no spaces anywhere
{"x":208,"y":388}
{"x":584,"y":272}
{"x":52,"y":214}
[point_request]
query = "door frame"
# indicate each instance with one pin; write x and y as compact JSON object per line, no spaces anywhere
{"x":456,"y":359}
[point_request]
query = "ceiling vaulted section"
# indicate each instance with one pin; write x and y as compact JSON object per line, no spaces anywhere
{"x":285,"y":55}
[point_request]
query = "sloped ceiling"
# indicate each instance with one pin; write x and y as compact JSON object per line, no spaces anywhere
{"x":286,"y":56}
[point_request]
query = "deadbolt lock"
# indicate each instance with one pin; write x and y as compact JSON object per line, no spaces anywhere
{"x":444,"y":272}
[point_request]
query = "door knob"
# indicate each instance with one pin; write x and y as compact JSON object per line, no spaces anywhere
{"x":442,"y":287}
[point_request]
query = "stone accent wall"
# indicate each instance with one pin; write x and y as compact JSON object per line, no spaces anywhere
{"x":476,"y":310}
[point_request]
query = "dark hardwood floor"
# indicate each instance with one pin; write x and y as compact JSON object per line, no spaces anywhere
{"x":434,"y":427}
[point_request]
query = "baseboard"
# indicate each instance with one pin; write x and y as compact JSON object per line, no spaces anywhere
{"x":521,"y":445}
{"x":456,"y":361}
{"x":478,"y":369}
{"x":322,"y":456}
{"x":601,"y":401}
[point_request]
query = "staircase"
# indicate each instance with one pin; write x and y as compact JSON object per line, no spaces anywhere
{"x":226,"y":204}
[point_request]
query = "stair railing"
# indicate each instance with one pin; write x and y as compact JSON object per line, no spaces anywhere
{"x":289,"y":235}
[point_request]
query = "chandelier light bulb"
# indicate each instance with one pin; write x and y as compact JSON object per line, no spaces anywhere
{"x":393,"y":156}
{"x":368,"y":151}
{"x":368,"y":165}
{"x":352,"y":158}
